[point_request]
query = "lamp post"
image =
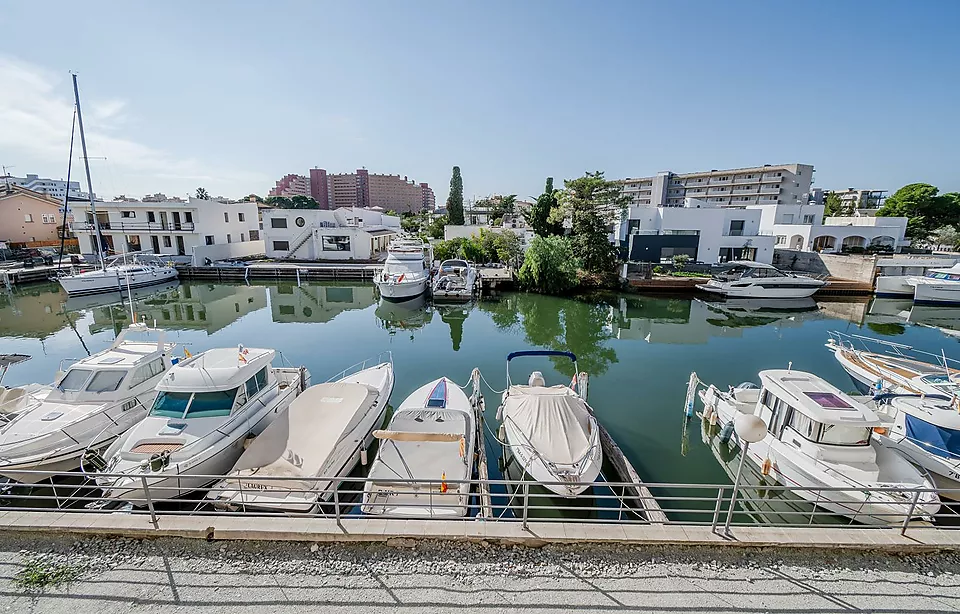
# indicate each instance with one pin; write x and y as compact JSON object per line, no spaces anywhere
{"x":749,"y":429}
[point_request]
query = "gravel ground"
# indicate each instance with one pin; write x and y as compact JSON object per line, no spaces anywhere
{"x":168,"y":575}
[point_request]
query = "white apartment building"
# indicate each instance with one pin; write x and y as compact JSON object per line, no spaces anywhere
{"x":54,"y":187}
{"x":699,"y":229}
{"x":803,"y":227}
{"x":321,"y":234}
{"x":172,"y":228}
{"x":760,"y":185}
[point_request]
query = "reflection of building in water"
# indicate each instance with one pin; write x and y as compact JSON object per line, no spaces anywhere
{"x":32,"y":311}
{"x":850,"y":310}
{"x":682,"y":321}
{"x":892,"y":310}
{"x":208,"y":307}
{"x":317,"y":303}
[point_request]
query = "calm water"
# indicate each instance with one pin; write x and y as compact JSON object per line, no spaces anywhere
{"x":639,"y":351}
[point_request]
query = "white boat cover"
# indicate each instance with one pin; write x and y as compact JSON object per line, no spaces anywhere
{"x":299,"y":442}
{"x":554,"y":420}
{"x":423,"y":460}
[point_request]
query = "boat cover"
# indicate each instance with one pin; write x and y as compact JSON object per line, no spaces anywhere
{"x":299,"y":441}
{"x":423,"y":460}
{"x":554,"y":420}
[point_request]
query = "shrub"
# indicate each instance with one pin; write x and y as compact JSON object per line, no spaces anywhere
{"x":549,"y":266}
{"x":658,"y":270}
{"x":680,"y":261}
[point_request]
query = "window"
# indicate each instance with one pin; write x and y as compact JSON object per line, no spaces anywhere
{"x":278,"y":222}
{"x":167,"y":242}
{"x":262,"y":378}
{"x":843,"y":435}
{"x":128,"y":214}
{"x":170,"y":404}
{"x":74,"y":379}
{"x":254,"y":235}
{"x":49,"y":218}
{"x":28,"y":218}
{"x":211,"y":404}
{"x":151,"y":216}
{"x":240,"y":217}
{"x":808,"y":219}
{"x":281,"y":246}
{"x":226,"y":216}
{"x":106,"y":381}
{"x":147,"y":371}
{"x":333,"y":243}
{"x":781,"y":239}
{"x":736,"y":228}
{"x":189,"y":217}
{"x":242,"y":239}
{"x":804,"y":426}
{"x":228,"y":238}
{"x":208,"y":239}
{"x":684,"y":233}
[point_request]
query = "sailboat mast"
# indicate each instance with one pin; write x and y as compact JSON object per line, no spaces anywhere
{"x":86,"y":166}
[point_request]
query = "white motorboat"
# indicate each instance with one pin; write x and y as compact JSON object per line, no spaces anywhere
{"x":551,"y":431}
{"x":747,"y":279}
{"x":898,"y":368}
{"x":820,"y":438}
{"x":206,"y":408}
{"x":406,"y":272}
{"x":91,"y":404}
{"x":926,"y":430}
{"x":456,"y":280}
{"x":937,"y":287}
{"x":323,"y":434}
{"x":119,"y":274}
{"x":429,"y":441}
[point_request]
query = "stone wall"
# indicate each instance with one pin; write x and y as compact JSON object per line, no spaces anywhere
{"x":857,"y":267}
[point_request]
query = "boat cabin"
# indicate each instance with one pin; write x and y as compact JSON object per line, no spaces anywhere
{"x":951,"y":274}
{"x":734,"y":271}
{"x":215,"y":384}
{"x":454,"y":267}
{"x":804,"y":410}
{"x":931,"y":423}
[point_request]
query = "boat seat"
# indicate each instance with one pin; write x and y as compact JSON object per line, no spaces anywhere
{"x":746,"y":395}
{"x":10,"y":399}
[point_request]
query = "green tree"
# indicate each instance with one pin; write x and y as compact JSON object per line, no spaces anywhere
{"x":303,"y":202}
{"x":444,"y":250}
{"x":280,"y":202}
{"x":500,"y":206}
{"x":593,"y":205}
{"x":509,"y":248}
{"x":834,"y":206}
{"x":946,"y":237}
{"x":549,"y":266}
{"x":410,"y":223}
{"x":253,"y":197}
{"x":538,"y":217}
{"x":202,"y":194}
{"x":455,"y":199}
{"x":925,"y":209}
{"x":435,"y":227}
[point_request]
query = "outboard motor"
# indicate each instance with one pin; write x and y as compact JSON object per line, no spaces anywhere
{"x":536,"y":379}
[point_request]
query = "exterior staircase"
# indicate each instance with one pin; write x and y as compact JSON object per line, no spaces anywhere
{"x":301,"y":240}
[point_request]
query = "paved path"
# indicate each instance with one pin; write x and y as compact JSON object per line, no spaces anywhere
{"x":174,"y":575}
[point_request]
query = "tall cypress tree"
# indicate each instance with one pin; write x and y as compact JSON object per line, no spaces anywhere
{"x":455,"y":200}
{"x":539,"y":214}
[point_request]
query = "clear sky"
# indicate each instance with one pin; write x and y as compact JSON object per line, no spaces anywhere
{"x":232,"y":95}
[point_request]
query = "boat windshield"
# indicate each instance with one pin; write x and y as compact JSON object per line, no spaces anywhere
{"x":842,"y":435}
{"x":944,"y":276}
{"x":74,"y":380}
{"x":106,"y":381}
{"x":193,"y":405}
{"x":940,"y":381}
{"x":937,"y":440}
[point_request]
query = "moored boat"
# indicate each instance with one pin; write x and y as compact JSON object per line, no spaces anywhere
{"x":937,"y":287}
{"x":747,"y":279}
{"x":406,"y":272}
{"x":455,"y":280}
{"x":127,"y":271}
{"x":323,"y":434}
{"x":821,"y":440}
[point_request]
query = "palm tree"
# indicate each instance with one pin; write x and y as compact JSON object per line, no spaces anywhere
{"x":202,"y":194}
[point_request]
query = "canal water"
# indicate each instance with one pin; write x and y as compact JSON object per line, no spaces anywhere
{"x":638,"y":350}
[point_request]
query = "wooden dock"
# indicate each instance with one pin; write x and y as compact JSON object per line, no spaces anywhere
{"x":638,"y":493}
{"x":688,"y":285}
{"x":15,"y":276}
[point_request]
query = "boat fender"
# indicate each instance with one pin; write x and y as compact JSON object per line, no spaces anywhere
{"x":443,"y":482}
{"x":363,"y":456}
{"x":767,"y":465}
{"x":463,"y":449}
{"x":726,"y":432}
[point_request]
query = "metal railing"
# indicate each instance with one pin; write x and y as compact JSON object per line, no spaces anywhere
{"x":135,"y":226}
{"x":339,"y":497}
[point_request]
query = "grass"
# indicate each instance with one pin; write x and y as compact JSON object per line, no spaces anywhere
{"x":38,"y":574}
{"x":688,"y":274}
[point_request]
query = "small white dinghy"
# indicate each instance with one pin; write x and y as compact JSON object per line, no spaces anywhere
{"x":206,"y":408}
{"x":323,"y":434}
{"x":551,"y":432}
{"x":429,"y":441}
{"x":820,"y":439}
{"x":96,"y":400}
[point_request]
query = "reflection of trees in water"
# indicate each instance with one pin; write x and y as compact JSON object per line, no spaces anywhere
{"x":578,"y":326}
{"x":454,"y":317}
{"x":736,"y":320}
{"x":887,"y":328}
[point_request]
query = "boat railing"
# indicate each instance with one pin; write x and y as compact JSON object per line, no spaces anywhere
{"x":754,"y":504}
{"x":898,"y":350}
{"x":382,"y":357}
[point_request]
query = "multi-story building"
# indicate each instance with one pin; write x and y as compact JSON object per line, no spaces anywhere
{"x":760,"y":185}
{"x":359,"y":189}
{"x":171,"y":228}
{"x":56,"y":188}
{"x":27,"y":216}
{"x":291,"y":185}
{"x":701,"y":230}
{"x":317,"y":234}
{"x":867,"y":201}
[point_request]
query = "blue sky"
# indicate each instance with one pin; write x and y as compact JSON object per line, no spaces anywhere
{"x":232,"y":95}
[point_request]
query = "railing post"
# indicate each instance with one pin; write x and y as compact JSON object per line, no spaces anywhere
{"x":146,"y":494}
{"x":526,"y":502}
{"x":716,"y":510}
{"x":336,"y":504}
{"x":913,"y":507}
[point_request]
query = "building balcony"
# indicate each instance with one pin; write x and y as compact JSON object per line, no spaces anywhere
{"x":771,"y":179}
{"x":742,"y":180}
{"x":767,"y":189}
{"x":714,"y":181}
{"x":135,"y":227}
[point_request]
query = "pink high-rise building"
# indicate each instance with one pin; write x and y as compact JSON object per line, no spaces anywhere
{"x":292,"y":185}
{"x":358,"y":189}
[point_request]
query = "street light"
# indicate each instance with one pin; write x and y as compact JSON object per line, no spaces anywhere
{"x":750,"y":429}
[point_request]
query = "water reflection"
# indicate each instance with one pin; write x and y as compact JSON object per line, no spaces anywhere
{"x":405,"y":317}
{"x":317,"y":302}
{"x":34,"y":311}
{"x":454,"y":317}
{"x":893,"y":313}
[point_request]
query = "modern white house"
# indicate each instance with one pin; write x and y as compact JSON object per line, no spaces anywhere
{"x":803,"y":227}
{"x":321,"y":234}
{"x":699,"y":229}
{"x":199,"y":229}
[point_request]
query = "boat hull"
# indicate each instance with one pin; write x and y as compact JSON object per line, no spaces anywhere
{"x":80,"y":285}
{"x":403,"y":291}
{"x":937,"y":294}
{"x":755,"y":291}
{"x":893,"y":286}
